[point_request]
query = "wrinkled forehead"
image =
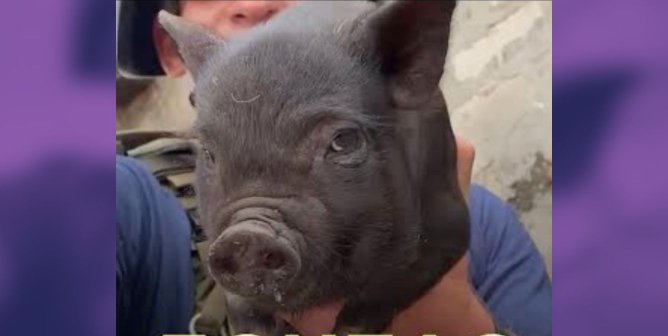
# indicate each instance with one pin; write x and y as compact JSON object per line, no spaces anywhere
{"x":281,"y":81}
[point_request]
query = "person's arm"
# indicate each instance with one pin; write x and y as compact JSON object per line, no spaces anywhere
{"x":506,"y":269}
{"x":154,"y":272}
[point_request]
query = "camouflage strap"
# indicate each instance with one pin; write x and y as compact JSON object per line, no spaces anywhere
{"x":171,"y":159}
{"x":133,"y":139}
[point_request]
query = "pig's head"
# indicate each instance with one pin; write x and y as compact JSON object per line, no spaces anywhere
{"x":328,"y":163}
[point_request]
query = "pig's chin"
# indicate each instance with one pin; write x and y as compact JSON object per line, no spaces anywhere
{"x":295,"y":298}
{"x":309,"y":297}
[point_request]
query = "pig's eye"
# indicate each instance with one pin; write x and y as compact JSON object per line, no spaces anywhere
{"x":208,"y":155}
{"x":346,"y":141}
{"x":348,"y":148}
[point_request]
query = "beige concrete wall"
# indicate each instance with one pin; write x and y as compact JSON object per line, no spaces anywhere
{"x":498,"y":84}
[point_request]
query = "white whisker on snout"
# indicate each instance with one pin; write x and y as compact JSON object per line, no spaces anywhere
{"x":242,"y":101}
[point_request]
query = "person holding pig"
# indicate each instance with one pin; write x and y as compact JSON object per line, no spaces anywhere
{"x":501,"y":284}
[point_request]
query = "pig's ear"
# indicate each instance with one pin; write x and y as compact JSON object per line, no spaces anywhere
{"x":195,"y":43}
{"x":411,"y":39}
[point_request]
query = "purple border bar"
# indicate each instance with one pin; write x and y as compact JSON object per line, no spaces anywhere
{"x":610,"y":233}
{"x":48,"y":107}
{"x":57,"y":187}
{"x":56,"y":216}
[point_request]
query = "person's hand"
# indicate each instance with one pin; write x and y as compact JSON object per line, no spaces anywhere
{"x":465,"y":157}
{"x":451,"y":308}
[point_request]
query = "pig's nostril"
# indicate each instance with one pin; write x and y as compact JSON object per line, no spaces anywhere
{"x":250,"y":259}
{"x":225,"y":265}
{"x":272,"y":260}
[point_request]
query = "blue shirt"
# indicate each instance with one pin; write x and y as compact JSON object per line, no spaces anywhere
{"x":506,"y":269}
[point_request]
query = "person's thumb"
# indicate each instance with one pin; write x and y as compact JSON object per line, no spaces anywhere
{"x":465,"y":157}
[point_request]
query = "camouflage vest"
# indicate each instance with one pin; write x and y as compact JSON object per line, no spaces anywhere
{"x":171,"y":159}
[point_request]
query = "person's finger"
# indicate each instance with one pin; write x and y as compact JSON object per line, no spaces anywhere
{"x":465,"y":158}
{"x":315,"y":321}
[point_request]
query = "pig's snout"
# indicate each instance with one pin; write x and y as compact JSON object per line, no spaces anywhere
{"x":251,"y":258}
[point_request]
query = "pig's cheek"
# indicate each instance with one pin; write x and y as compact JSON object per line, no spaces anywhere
{"x":209,"y":211}
{"x":310,"y":220}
